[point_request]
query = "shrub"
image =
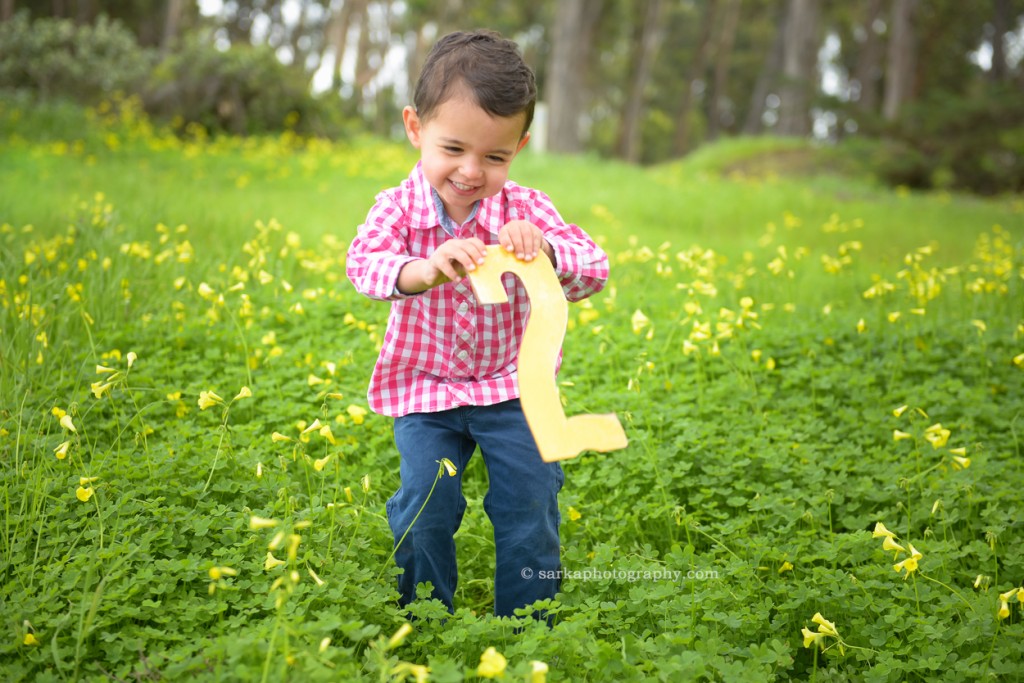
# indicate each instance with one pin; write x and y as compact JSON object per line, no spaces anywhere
{"x":57,"y":58}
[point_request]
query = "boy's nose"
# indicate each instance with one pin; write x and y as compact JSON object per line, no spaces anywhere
{"x":470,"y":169}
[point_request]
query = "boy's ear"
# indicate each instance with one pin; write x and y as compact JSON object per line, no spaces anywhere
{"x":522,"y":141}
{"x":412,"y":126}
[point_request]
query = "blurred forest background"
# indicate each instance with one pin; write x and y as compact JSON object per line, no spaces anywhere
{"x":929,"y":93}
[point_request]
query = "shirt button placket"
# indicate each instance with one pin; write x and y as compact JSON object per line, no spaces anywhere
{"x":464,"y":331}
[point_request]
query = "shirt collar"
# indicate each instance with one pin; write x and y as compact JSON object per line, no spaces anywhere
{"x":489,"y":212}
{"x":449,"y":224}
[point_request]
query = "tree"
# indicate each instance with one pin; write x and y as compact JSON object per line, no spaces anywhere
{"x":569,"y":67}
{"x":899,"y":74}
{"x":681,"y":139}
{"x":647,"y":36}
{"x":799,"y":58}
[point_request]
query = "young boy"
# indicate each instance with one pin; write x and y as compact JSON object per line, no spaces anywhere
{"x":447,"y":368}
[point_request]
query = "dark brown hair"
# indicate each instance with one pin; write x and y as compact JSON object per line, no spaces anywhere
{"x":488,"y":66}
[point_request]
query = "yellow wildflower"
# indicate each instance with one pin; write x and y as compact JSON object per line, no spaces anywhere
{"x":538,"y":672}
{"x":319,"y":465}
{"x":84,"y":493}
{"x":66,"y":423}
{"x":811,"y":638}
{"x":960,"y":462}
{"x":313,"y":575}
{"x":99,"y":388}
{"x":30,"y":640}
{"x":257,"y":523}
{"x":62,"y":450}
{"x":324,"y":643}
{"x":272,"y":562}
{"x":365,"y":483}
{"x":909,"y":565}
{"x":206,"y":291}
{"x":220,"y":572}
{"x":880,"y":530}
{"x":244,"y":392}
{"x":104,"y":370}
{"x":492,"y":664}
{"x":278,"y":436}
{"x":326,"y":432}
{"x":208,"y":399}
{"x":889,"y":544}
{"x":449,"y":467}
{"x":824,"y":625}
{"x":132,"y":357}
{"x":399,"y":636}
{"x":312,"y":427}
{"x":897,"y":412}
{"x":897,"y":435}
{"x":1018,"y":360}
{"x":937,"y":435}
{"x":574,"y":514}
{"x":1004,"y":610}
{"x":787,"y":566}
{"x":418,"y":671}
{"x":861,"y":326}
{"x":357,"y":413}
{"x":639,"y":321}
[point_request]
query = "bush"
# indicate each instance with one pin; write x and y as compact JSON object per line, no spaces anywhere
{"x":243,"y":90}
{"x":57,"y":58}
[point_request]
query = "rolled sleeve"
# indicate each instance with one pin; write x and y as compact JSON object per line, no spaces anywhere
{"x":379,"y":252}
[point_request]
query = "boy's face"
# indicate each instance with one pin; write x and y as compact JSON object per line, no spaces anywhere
{"x":466,"y":152}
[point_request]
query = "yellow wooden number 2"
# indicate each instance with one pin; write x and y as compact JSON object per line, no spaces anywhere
{"x":557,"y":437}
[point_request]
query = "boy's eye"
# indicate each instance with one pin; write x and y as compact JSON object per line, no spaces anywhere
{"x":496,"y":159}
{"x":452,"y":150}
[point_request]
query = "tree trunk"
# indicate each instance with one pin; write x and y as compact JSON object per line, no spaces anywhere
{"x":172,"y":23}
{"x":1000,"y":27}
{"x":338,"y":31}
{"x":645,"y":48}
{"x":767,"y":78}
{"x":718,"y":110}
{"x":568,"y":71}
{"x":868,"y":70}
{"x":6,"y":9}
{"x":899,"y":73}
{"x":798,"y":67}
{"x":681,"y":139}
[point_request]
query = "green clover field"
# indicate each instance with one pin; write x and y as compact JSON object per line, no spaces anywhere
{"x":822,"y":381}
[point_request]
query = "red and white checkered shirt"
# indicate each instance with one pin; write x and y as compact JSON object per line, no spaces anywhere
{"x":442,"y":349}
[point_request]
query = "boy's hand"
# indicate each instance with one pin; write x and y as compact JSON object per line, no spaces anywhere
{"x":525,"y":240}
{"x":453,"y":260}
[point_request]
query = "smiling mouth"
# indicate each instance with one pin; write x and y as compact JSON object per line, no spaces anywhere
{"x":462,"y":188}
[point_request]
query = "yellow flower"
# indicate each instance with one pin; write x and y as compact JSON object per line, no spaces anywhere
{"x":57,"y":412}
{"x":99,"y":388}
{"x":897,"y":435}
{"x":84,"y":493}
{"x":492,"y":664}
{"x":313,"y":427}
{"x":62,"y":450}
{"x":897,"y":412}
{"x":861,"y":326}
{"x":399,"y":636}
{"x":958,"y":451}
{"x":914,"y":552}
{"x":787,"y":566}
{"x":244,"y":392}
{"x":909,"y":565}
{"x":319,"y":465}
{"x":449,"y":467}
{"x":208,"y":399}
{"x":639,"y":321}
{"x":936,"y":435}
{"x":132,"y":357}
{"x":30,"y":640}
{"x":66,"y":423}
{"x":206,"y":291}
{"x":104,"y":370}
{"x":259,"y":470}
{"x":538,"y":672}
{"x":1004,"y":610}
{"x":811,"y":638}
{"x":418,"y":671}
{"x":574,"y":514}
{"x":272,"y":562}
{"x":960,"y":462}
{"x":824,"y":625}
{"x":364,"y":483}
{"x":1008,"y":595}
{"x":1018,"y":360}
{"x":889,"y":544}
{"x":880,"y":530}
{"x":357,"y":413}
{"x":257,"y":523}
{"x":326,"y":432}
{"x":324,"y":643}
{"x":1020,"y":595}
{"x":278,"y":436}
{"x":313,"y":575}
{"x":220,"y":572}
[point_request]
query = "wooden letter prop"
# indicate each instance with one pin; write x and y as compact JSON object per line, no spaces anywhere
{"x":557,"y":437}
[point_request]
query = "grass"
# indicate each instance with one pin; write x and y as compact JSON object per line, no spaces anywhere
{"x":796,"y":359}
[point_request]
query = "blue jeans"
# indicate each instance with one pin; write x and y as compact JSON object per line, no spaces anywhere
{"x":521,"y":502}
